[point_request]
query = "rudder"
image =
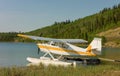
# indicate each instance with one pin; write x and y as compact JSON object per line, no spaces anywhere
{"x":95,"y":46}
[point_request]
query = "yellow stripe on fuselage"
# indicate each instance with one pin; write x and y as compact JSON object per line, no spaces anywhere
{"x":65,"y":50}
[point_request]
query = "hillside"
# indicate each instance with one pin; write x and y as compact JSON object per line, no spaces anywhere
{"x":112,"y":37}
{"x":85,"y":28}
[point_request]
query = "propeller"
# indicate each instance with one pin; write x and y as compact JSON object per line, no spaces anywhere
{"x":38,"y":50}
{"x":38,"y":47}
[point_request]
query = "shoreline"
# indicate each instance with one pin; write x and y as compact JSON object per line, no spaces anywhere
{"x":112,"y":45}
{"x":106,"y":45}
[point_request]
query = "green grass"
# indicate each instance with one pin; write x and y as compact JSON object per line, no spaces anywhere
{"x":98,"y":70}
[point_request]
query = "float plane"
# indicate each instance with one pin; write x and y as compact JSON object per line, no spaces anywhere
{"x":64,"y":47}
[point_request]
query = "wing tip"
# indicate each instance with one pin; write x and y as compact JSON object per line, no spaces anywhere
{"x":21,"y":35}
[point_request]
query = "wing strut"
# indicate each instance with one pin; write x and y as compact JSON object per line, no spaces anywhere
{"x":48,"y":53}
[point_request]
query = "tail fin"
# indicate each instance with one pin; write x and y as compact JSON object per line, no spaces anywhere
{"x":95,"y":46}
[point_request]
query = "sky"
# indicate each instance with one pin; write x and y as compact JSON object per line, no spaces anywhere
{"x":28,"y":15}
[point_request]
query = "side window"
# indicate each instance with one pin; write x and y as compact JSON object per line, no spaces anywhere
{"x":52,"y":43}
{"x":64,"y":46}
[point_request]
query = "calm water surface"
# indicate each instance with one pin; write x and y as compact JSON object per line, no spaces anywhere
{"x":15,"y":54}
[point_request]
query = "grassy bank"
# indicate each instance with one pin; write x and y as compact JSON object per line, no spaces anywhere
{"x":98,"y":70}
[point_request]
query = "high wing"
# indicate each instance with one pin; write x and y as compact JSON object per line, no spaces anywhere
{"x":52,"y":39}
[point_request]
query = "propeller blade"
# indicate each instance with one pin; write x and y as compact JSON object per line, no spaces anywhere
{"x":38,"y":50}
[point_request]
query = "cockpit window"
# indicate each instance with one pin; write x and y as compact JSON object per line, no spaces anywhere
{"x":60,"y":44}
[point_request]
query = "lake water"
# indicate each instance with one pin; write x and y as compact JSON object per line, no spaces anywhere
{"x":15,"y":54}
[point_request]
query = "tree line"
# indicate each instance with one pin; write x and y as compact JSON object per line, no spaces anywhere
{"x":9,"y":36}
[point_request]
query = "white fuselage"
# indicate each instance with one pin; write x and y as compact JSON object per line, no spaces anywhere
{"x":64,"y":50}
